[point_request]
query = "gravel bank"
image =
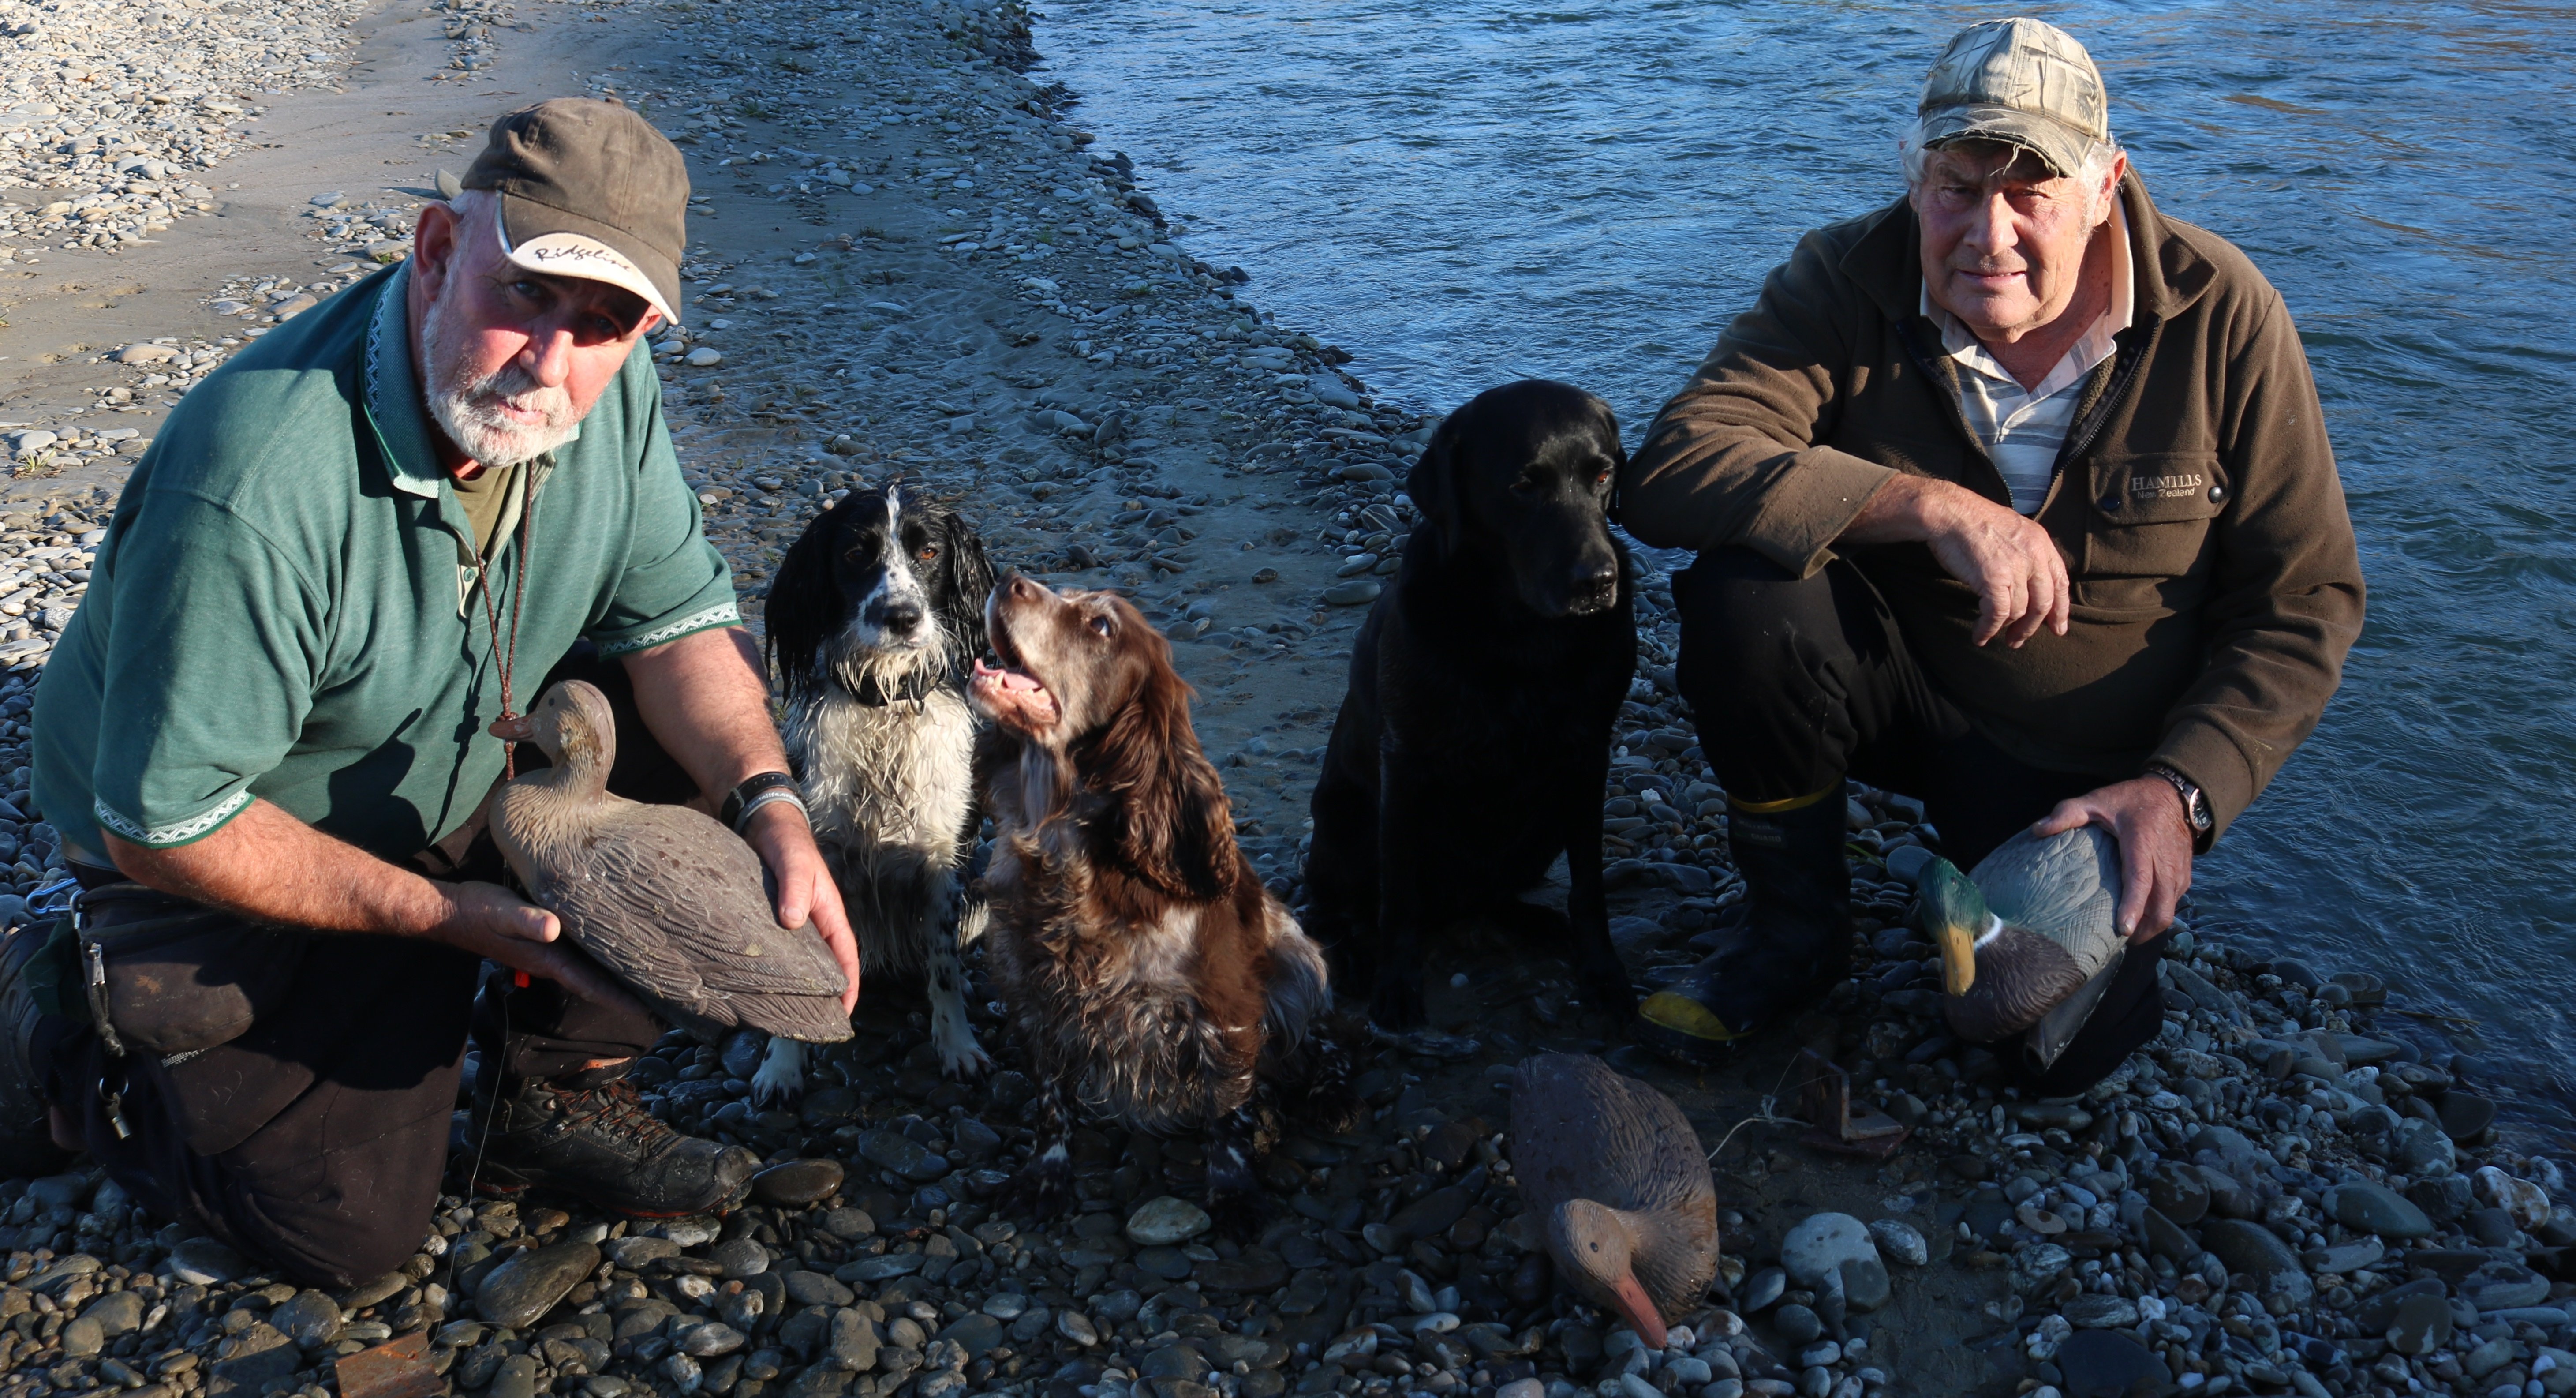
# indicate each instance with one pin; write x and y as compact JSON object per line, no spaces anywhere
{"x":909,"y":262}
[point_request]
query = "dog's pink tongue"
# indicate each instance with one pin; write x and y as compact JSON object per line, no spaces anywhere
{"x":1007,"y":679}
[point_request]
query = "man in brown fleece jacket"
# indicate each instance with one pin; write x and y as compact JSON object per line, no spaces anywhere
{"x":2015,"y":495}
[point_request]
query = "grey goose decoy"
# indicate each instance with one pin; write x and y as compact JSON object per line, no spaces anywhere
{"x":1618,"y":1188}
{"x":671,"y":902}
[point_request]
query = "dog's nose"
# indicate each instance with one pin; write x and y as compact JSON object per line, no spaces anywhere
{"x":1020,"y":586}
{"x":902,"y":616}
{"x":1599,"y":580}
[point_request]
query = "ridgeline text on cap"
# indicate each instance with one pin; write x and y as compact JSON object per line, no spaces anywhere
{"x":589,"y":189}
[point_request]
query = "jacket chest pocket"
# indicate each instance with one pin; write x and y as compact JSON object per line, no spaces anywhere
{"x":2150,"y":514}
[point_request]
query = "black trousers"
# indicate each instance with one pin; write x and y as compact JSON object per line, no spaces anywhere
{"x":318,"y":1138}
{"x":1797,"y":683}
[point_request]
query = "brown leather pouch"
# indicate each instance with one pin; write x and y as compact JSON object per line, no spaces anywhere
{"x":167,"y":978}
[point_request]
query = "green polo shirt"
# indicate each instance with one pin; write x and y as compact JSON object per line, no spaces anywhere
{"x":284,"y":605}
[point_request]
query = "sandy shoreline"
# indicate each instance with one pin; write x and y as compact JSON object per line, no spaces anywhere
{"x":907,"y":260}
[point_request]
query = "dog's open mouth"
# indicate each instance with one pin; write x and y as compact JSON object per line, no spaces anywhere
{"x":1008,"y":692}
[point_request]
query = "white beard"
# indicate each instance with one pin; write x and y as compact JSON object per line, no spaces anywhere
{"x":469,"y":409}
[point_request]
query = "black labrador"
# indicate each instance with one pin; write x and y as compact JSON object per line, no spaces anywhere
{"x":1473,"y":744}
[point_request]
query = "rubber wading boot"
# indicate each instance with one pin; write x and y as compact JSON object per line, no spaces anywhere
{"x":589,"y":1134}
{"x":27,"y":1146}
{"x":1791,"y":946}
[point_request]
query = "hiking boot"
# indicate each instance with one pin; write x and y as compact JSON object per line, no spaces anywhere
{"x":1791,"y":946}
{"x":27,"y":1147}
{"x":595,"y":1139}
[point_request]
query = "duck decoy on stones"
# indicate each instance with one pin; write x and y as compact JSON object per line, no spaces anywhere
{"x":672,"y":903}
{"x":2026,"y":931}
{"x":1613,"y":1175}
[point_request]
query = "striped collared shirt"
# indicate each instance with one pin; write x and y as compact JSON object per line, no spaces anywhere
{"x":2022,"y":429}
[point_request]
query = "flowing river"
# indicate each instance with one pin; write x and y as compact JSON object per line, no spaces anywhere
{"x":1466,"y":192}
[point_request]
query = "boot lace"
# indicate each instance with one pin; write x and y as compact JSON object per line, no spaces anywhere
{"x":616,"y":1111}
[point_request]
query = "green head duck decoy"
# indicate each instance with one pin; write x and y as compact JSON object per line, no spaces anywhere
{"x":1615,"y":1180}
{"x":2025,"y":931}
{"x":671,"y":902}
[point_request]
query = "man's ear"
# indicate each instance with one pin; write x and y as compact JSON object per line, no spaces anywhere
{"x":433,"y":247}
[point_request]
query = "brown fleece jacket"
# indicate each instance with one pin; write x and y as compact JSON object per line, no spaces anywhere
{"x":2217,"y":586}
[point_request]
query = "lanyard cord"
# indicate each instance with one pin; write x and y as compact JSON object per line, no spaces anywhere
{"x":510,"y":657}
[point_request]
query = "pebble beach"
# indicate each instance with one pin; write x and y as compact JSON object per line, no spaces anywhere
{"x":910,"y":261}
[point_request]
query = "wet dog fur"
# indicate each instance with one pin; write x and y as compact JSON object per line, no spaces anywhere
{"x":1150,"y":975}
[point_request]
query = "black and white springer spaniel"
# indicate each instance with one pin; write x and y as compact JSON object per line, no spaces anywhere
{"x":874,"y":618}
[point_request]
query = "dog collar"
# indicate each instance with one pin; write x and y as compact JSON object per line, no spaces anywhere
{"x":912,"y":689}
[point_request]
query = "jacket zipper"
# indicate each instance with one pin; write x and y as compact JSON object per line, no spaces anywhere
{"x":2080,"y":439}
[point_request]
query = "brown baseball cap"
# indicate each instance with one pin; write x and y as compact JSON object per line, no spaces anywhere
{"x":589,"y":189}
{"x":2020,"y":81}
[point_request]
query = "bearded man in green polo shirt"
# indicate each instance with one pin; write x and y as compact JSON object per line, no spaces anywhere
{"x":351,"y":553}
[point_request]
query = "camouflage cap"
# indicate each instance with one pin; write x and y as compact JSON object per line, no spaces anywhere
{"x":2020,"y":81}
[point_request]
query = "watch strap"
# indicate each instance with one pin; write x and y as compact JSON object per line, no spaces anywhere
{"x":740,"y":802}
{"x":2195,"y":806}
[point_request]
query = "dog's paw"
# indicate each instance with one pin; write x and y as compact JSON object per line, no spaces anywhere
{"x":779,"y":1083}
{"x":960,"y":1056}
{"x":969,"y":1065}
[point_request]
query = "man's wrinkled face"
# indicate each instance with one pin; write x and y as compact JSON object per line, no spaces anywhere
{"x":511,"y":361}
{"x":2003,"y":238}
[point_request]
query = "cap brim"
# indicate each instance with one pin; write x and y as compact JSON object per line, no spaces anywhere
{"x":2060,"y":146}
{"x":554,"y":243}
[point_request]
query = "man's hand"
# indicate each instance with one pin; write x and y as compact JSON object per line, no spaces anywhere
{"x":805,"y":887}
{"x":2010,"y":562}
{"x":2146,"y":815}
{"x":489,"y":921}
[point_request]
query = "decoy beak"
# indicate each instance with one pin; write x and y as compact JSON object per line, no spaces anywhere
{"x":1639,"y":1310}
{"x":1958,"y":958}
{"x":513,"y":728}
{"x":1954,"y":912}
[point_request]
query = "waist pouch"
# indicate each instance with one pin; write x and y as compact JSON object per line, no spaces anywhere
{"x":165,"y":977}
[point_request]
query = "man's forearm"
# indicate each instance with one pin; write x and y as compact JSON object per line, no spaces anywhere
{"x":268,"y":865}
{"x":706,"y":701}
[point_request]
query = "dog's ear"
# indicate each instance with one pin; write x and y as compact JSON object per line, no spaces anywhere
{"x":1434,"y":485}
{"x":804,"y":607}
{"x":970,"y":585}
{"x":1175,"y":827}
{"x":1618,"y":453}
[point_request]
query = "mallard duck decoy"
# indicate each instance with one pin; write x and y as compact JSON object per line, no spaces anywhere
{"x":672,"y":903}
{"x":2025,"y":931}
{"x":1615,"y":1178}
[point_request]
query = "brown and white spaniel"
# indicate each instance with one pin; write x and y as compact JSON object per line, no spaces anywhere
{"x":1149,"y":974}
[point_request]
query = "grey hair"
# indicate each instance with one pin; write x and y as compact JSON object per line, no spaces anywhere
{"x":2097,"y":164}
{"x":475,"y":208}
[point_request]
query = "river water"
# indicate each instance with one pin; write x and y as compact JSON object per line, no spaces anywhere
{"x":1466,"y":192}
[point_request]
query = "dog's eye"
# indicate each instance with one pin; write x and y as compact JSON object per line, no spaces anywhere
{"x":928,"y":552}
{"x":1101,"y":625}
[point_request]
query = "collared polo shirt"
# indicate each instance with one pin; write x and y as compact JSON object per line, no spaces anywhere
{"x":285,"y":604}
{"x":2023,"y":428}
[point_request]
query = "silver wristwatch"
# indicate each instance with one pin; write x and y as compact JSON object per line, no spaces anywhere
{"x":2195,"y":807}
